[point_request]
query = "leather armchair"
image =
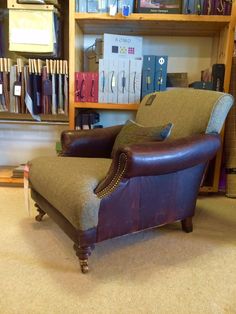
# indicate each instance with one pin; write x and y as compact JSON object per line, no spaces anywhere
{"x":144,"y":185}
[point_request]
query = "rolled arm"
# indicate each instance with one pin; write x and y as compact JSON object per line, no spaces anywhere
{"x":89,"y":143}
{"x":169,"y":156}
{"x":156,"y":158}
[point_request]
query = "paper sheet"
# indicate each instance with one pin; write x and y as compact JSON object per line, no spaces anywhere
{"x":31,"y":31}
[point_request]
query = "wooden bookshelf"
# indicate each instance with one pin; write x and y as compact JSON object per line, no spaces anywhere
{"x":152,"y":24}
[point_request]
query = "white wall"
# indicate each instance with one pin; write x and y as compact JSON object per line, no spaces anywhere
{"x":20,"y":143}
{"x":185,"y":54}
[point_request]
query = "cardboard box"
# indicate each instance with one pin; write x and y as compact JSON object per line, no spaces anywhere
{"x":112,"y":80}
{"x":91,"y":86}
{"x":123,"y":81}
{"x":159,"y":6}
{"x":160,"y":73}
{"x":86,"y":86}
{"x":148,"y":74}
{"x":103,"y":81}
{"x":135,"y":79}
{"x":80,"y":87}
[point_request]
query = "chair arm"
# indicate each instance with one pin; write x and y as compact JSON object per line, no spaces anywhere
{"x":156,"y":158}
{"x":89,"y":143}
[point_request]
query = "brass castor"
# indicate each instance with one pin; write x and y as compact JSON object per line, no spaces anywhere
{"x":84,"y":266}
{"x":41,"y":213}
{"x":83,"y":253}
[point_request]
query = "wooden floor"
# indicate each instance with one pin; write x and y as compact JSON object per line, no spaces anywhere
{"x":6,"y":177}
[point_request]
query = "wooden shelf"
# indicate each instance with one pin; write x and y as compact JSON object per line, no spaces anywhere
{"x":152,"y":24}
{"x":6,"y":177}
{"x":12,"y":182}
{"x":10,"y":117}
{"x":105,"y":106}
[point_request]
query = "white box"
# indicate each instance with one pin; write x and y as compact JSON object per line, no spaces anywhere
{"x":103,"y":81}
{"x":113,"y":80}
{"x":122,"y":46}
{"x":135,"y":80}
{"x":123,"y":81}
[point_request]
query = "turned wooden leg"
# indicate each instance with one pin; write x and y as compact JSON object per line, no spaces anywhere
{"x":187,"y":224}
{"x":41,"y":213}
{"x":83,"y":253}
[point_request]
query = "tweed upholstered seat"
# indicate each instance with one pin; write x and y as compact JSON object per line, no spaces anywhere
{"x":73,"y":197}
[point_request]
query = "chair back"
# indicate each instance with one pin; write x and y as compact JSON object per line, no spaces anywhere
{"x":192,"y":111}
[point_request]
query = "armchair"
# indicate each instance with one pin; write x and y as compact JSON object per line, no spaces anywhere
{"x":94,"y":197}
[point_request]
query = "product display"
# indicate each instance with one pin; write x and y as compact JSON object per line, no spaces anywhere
{"x":218,"y":74}
{"x":159,"y":6}
{"x":86,"y":86}
{"x":217,"y":7}
{"x":34,"y":87}
{"x":154,"y":74}
{"x":192,"y":7}
{"x":122,"y":46}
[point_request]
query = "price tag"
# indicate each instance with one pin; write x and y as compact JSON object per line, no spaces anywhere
{"x":0,"y":88}
{"x":17,"y":89}
{"x":150,"y":100}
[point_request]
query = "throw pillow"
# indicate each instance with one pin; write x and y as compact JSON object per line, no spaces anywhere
{"x":133,"y":133}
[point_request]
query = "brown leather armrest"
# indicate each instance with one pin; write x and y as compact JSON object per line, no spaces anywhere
{"x":89,"y":143}
{"x":156,"y":158}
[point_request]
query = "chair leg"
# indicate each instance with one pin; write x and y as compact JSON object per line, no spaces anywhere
{"x":41,"y":213}
{"x":83,"y":253}
{"x":187,"y":224}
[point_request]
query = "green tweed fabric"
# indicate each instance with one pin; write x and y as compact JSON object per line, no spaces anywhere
{"x":191,"y":111}
{"x":133,"y":133}
{"x":67,"y":184}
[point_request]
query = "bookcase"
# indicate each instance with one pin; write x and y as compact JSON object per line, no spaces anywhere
{"x":219,"y":31}
{"x":21,"y":136}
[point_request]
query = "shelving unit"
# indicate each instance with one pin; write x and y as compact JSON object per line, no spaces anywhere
{"x":27,"y":118}
{"x":219,"y":28}
{"x":18,"y":121}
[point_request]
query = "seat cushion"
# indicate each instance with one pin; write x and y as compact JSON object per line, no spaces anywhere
{"x":68,"y":184}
